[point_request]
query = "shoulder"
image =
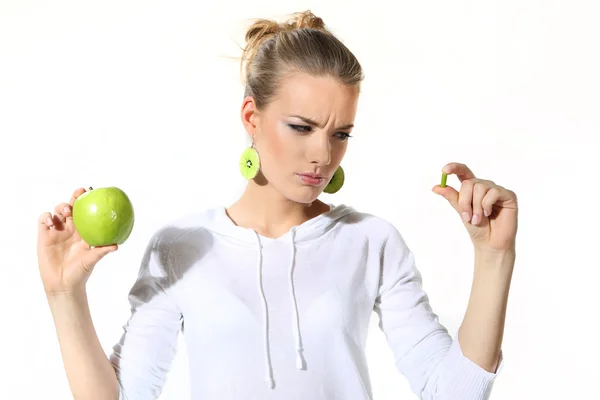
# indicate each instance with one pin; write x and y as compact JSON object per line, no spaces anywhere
{"x":187,"y":227}
{"x":180,"y":242}
{"x":371,"y":225}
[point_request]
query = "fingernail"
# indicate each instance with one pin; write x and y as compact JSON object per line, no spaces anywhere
{"x":475,"y":219}
{"x":66,"y":209}
{"x":486,"y":213}
{"x":49,"y":221}
{"x":465,"y":216}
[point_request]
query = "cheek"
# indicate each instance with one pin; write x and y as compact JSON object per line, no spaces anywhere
{"x":338,"y":152}
{"x":284,"y":146}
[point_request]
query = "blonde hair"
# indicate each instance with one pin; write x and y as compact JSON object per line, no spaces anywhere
{"x":300,"y":44}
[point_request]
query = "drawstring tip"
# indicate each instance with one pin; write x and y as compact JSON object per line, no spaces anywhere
{"x":270,"y":382}
{"x":299,"y":362}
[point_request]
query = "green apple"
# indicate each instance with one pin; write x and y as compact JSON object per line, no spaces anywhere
{"x":103,"y":216}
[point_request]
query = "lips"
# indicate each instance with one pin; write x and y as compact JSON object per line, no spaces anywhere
{"x":313,"y":176}
{"x":312,"y":179}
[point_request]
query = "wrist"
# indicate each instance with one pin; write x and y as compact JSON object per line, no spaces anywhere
{"x":494,"y":260}
{"x":74,"y":295}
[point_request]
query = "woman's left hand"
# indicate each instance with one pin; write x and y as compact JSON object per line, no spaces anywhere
{"x":489,"y":211}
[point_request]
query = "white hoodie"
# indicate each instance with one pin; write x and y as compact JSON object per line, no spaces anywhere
{"x":285,"y":318}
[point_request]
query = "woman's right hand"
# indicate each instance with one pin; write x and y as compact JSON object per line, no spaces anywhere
{"x":65,"y":259}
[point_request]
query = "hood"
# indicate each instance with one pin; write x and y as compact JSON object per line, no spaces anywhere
{"x":312,"y":229}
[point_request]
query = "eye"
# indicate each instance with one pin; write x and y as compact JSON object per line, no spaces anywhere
{"x":343,"y":135}
{"x":300,"y":128}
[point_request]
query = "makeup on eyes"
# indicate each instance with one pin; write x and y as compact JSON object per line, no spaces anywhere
{"x":306,"y":129}
{"x":311,"y":122}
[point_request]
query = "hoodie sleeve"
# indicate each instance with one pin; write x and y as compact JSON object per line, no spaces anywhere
{"x":423,"y":350}
{"x":142,"y":358}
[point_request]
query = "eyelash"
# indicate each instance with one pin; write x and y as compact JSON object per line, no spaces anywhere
{"x":305,"y":129}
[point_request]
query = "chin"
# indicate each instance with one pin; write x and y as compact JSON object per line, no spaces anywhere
{"x":303,"y":194}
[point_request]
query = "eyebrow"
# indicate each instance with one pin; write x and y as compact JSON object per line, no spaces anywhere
{"x":314,"y":123}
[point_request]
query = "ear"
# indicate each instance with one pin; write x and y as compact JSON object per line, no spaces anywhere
{"x":249,"y":115}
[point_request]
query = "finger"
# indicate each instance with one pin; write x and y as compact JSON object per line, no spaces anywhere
{"x":480,"y":189}
{"x":488,"y":201}
{"x":59,"y":210}
{"x":460,"y":170}
{"x":68,"y":212}
{"x":58,"y":223}
{"x":75,"y":195}
{"x":45,"y":222}
{"x":507,"y":198}
{"x":465,"y":200}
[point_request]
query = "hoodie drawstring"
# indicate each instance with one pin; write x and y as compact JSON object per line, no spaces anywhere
{"x":296,"y":322}
{"x":296,"y":327}
{"x":269,"y":370}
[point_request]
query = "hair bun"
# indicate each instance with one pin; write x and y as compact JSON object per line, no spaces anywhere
{"x":304,"y":19}
{"x":262,"y":28}
{"x":302,"y":44}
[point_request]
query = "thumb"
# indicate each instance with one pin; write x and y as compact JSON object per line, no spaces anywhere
{"x":449,"y":193}
{"x":97,"y":253}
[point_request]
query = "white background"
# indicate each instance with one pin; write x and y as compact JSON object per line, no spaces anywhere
{"x":145,"y":95}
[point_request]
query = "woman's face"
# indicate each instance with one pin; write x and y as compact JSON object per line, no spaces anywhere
{"x":303,"y":131}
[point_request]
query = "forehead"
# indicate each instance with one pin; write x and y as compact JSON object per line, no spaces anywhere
{"x":320,"y":98}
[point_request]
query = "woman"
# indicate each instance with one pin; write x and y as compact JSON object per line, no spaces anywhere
{"x":275,"y":292}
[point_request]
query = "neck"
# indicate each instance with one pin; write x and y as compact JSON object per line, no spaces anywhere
{"x":270,"y":214}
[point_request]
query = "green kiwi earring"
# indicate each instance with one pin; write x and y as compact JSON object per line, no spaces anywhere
{"x":336,"y":182}
{"x":249,"y":162}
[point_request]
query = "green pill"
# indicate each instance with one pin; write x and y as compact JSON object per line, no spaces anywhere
{"x":444,"y":177}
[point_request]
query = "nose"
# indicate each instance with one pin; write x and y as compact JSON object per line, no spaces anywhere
{"x":320,"y":150}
